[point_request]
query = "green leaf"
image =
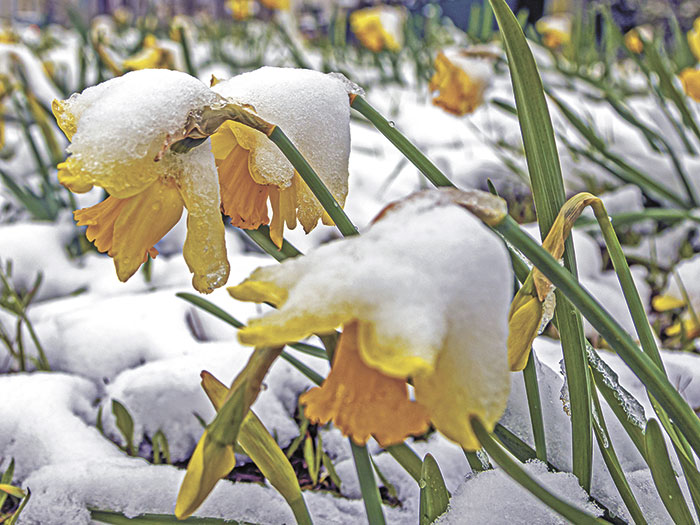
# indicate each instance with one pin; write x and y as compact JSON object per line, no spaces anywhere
{"x":117,"y":518}
{"x":407,"y":458}
{"x":13,"y":519}
{"x":257,"y":443}
{"x":17,"y":492}
{"x":328,"y":465}
{"x":310,"y":458}
{"x":125,"y":424}
{"x":161,"y":449}
{"x":6,"y":478}
{"x":548,"y":192}
{"x":434,"y":497}
{"x":664,"y":476}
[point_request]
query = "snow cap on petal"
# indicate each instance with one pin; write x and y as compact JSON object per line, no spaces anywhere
{"x":118,"y":127}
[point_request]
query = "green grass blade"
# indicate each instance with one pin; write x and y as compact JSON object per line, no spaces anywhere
{"x":605,"y":445}
{"x":419,"y":160}
{"x":548,"y":192}
{"x":534,"y":405}
{"x":368,"y":485}
{"x":407,"y":458}
{"x":117,"y":518}
{"x":664,"y":476}
{"x":434,"y":497}
{"x":125,"y":424}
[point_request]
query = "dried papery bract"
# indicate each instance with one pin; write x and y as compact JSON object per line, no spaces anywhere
{"x":313,"y":110}
{"x":423,"y":294}
{"x":533,"y":305}
{"x":118,"y":130}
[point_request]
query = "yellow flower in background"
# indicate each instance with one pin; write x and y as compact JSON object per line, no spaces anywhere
{"x":633,"y":38}
{"x":694,"y":38}
{"x":460,"y":81}
{"x":279,"y":5}
{"x":411,"y":306}
{"x":240,"y":9}
{"x":379,"y":28}
{"x":313,"y":109}
{"x":151,"y":56}
{"x":690,"y":78}
{"x":555,"y":30}
{"x":119,"y":131}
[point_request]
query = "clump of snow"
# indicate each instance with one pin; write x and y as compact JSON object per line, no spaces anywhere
{"x":476,"y":498}
{"x":311,"y":108}
{"x":124,"y":122}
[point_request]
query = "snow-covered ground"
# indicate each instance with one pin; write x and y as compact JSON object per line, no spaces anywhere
{"x":137,"y":343}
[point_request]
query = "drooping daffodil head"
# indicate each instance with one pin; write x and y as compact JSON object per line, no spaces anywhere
{"x":119,"y":132}
{"x":379,"y":28}
{"x":423,"y":294}
{"x":241,"y":9}
{"x":635,"y":38}
{"x":152,"y":55}
{"x":690,"y":79}
{"x":313,"y":110}
{"x":555,"y":30}
{"x":694,"y":38}
{"x":460,"y":78}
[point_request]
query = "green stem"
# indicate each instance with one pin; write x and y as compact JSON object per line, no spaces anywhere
{"x":514,"y":470}
{"x":314,"y":183}
{"x":186,"y":52}
{"x":261,"y":237}
{"x":534,"y":404}
{"x":618,"y":339}
{"x":420,"y":161}
{"x":368,"y":485}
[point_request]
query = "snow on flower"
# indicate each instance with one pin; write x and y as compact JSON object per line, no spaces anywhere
{"x":118,"y":130}
{"x":313,"y":109}
{"x":423,"y":294}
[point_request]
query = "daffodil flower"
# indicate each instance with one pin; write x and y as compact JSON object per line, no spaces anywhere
{"x":423,"y":294}
{"x":277,"y":5}
{"x":682,"y":291}
{"x":635,"y":37}
{"x":694,"y":38}
{"x":119,"y":131}
{"x":379,"y":28}
{"x":690,"y":79}
{"x":313,"y":109}
{"x":460,"y":80}
{"x":555,"y":30}
{"x":240,"y":9}
{"x":150,"y":56}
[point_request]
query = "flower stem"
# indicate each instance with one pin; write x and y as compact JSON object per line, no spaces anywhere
{"x":368,"y":485}
{"x":313,"y":181}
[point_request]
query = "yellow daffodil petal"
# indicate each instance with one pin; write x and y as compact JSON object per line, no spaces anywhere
{"x":280,"y":5}
{"x":663,"y":303}
{"x":523,"y":326}
{"x":368,"y":27}
{"x":259,"y":292}
{"x":694,"y":38}
{"x":633,"y":42}
{"x":205,"y":247}
{"x":100,"y":220}
{"x":142,"y":222}
{"x":363,"y":402}
{"x":209,"y":463}
{"x":394,"y":357}
{"x":64,"y":118}
{"x":74,"y":183}
{"x":690,"y":78}
{"x":458,"y":92}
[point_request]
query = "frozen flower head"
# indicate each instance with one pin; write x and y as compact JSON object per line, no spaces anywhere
{"x":151,"y":56}
{"x":313,"y":109}
{"x":555,"y":30}
{"x":379,"y":28}
{"x":634,"y":38}
{"x":690,"y":78}
{"x":119,"y":131}
{"x":460,"y":79}
{"x":694,"y":38}
{"x":240,"y":9}
{"x":423,"y":294}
